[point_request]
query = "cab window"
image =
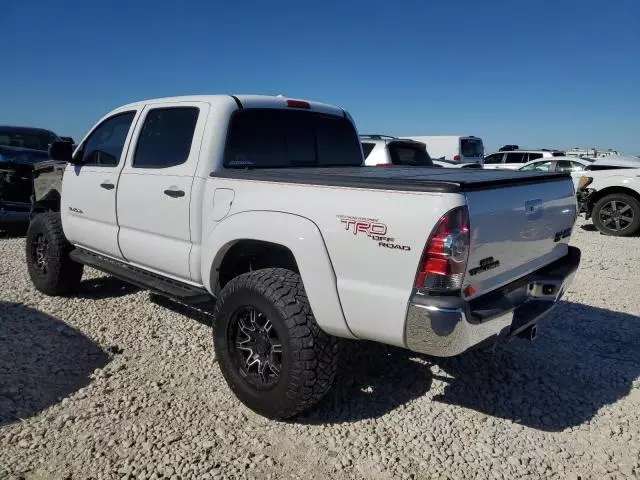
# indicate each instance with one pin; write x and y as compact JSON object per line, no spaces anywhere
{"x":104,"y":145}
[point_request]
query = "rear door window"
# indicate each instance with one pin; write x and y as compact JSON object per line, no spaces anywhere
{"x":516,"y":157}
{"x":471,"y":147}
{"x":408,"y":154}
{"x":165,"y":138}
{"x":273,"y":138}
{"x":494,"y":158}
{"x":534,"y":156}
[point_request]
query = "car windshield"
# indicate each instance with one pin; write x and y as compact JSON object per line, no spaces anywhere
{"x":26,"y":138}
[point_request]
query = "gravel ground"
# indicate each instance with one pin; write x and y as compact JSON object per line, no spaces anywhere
{"x":113,"y":385}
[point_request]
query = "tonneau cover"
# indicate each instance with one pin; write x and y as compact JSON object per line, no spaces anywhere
{"x":424,"y":179}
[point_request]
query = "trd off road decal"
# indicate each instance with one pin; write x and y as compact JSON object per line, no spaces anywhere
{"x":371,"y":228}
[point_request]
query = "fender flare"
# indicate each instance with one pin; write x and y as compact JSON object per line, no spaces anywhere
{"x":303,"y":238}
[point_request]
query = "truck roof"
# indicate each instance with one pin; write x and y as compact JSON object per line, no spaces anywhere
{"x":243,"y":100}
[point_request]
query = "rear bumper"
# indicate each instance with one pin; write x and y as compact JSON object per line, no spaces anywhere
{"x":447,"y":326}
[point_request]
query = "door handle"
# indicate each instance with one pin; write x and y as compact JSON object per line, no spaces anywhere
{"x":107,"y":185}
{"x":174,"y":193}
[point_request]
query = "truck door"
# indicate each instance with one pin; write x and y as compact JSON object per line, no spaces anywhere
{"x":88,"y":203}
{"x":154,"y":191}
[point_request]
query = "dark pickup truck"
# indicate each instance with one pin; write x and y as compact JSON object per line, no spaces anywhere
{"x":29,"y":180}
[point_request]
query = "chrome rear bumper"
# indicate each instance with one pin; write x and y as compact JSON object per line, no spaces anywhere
{"x":447,"y":326}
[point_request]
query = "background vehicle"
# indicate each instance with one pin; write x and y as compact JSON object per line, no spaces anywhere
{"x":385,"y":150}
{"x":462,"y":149}
{"x":611,"y":198}
{"x":514,"y":159}
{"x":22,"y":151}
{"x":576,"y":166}
{"x":195,"y":199}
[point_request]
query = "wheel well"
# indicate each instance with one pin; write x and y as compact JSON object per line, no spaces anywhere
{"x":612,"y":190}
{"x":51,"y":201}
{"x":248,"y":255}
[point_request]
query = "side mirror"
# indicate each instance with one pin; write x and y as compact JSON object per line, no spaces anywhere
{"x":68,"y":139}
{"x":61,"y":151}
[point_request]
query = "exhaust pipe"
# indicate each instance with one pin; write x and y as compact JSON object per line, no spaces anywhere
{"x":529,"y":333}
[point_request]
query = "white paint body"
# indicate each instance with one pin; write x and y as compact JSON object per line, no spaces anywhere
{"x":356,"y":288}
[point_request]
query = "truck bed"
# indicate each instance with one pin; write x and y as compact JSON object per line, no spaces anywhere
{"x":441,"y":180}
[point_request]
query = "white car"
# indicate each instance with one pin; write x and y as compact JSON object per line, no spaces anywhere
{"x":514,"y":159}
{"x":196,"y":198}
{"x":575,"y":166}
{"x":388,"y":151}
{"x":611,"y":198}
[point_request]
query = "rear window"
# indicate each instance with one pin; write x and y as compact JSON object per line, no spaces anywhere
{"x":408,"y":154}
{"x":366,"y":148}
{"x":272,"y":138}
{"x":471,"y":147}
{"x":557,"y":154}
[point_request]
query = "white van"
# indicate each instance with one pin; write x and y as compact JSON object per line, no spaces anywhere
{"x":468,"y":149}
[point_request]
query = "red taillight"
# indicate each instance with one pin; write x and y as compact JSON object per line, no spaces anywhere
{"x":298,"y":104}
{"x":457,"y":158}
{"x":444,"y":260}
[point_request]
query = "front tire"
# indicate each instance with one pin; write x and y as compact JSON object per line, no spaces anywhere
{"x":47,"y":254}
{"x":617,"y":215}
{"x":271,"y":352}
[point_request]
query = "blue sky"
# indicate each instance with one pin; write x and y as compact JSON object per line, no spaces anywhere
{"x":543,"y":73}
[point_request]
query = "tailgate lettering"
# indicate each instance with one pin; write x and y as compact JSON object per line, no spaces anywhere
{"x":485,"y":264}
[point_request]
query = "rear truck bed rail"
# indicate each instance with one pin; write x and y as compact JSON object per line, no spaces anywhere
{"x":447,"y":326}
{"x":406,"y":179}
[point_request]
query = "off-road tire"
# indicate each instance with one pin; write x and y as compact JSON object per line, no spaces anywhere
{"x":630,"y":229}
{"x":62,"y":275}
{"x":309,"y":355}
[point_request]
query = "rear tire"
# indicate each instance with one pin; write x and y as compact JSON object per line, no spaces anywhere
{"x":272,"y":353}
{"x":617,"y":214}
{"x":47,"y":254}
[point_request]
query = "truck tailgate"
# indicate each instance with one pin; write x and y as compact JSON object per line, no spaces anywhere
{"x":516,"y":230}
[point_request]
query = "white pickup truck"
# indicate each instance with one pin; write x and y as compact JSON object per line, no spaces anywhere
{"x":264,"y":204}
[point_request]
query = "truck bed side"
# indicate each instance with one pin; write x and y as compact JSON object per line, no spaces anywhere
{"x":374,"y":239}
